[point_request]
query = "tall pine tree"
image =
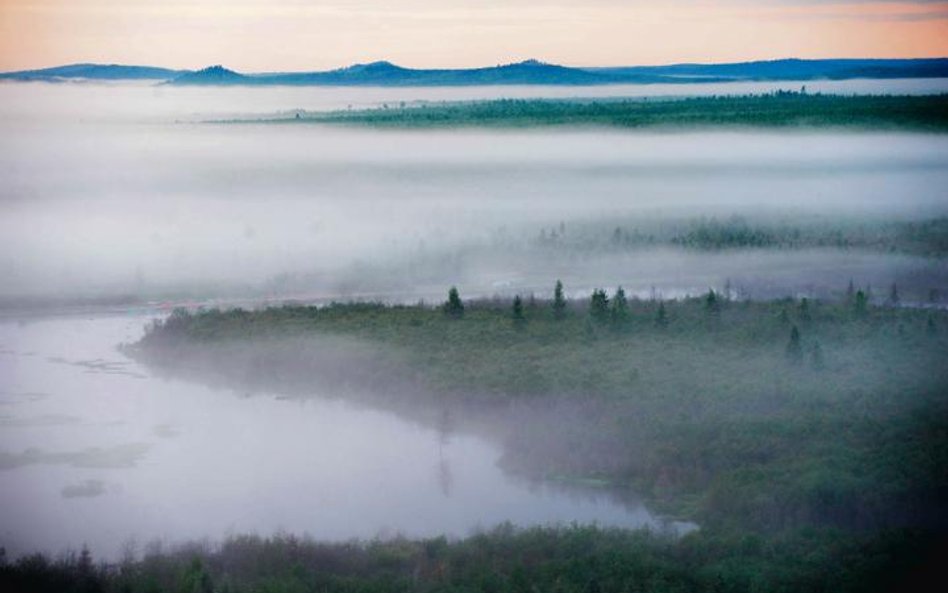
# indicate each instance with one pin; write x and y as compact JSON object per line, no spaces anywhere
{"x":559,"y":301}
{"x":454,"y":308}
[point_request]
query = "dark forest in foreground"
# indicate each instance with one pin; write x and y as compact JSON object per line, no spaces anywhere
{"x":782,"y":109}
{"x":559,"y":560}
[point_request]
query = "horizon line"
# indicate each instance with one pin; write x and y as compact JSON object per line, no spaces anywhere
{"x":496,"y":65}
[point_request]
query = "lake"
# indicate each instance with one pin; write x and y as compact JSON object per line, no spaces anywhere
{"x":96,"y":450}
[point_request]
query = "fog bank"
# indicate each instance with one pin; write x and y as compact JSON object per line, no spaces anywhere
{"x":103,"y":193}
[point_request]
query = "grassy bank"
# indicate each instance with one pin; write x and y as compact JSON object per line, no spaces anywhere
{"x":776,"y":110}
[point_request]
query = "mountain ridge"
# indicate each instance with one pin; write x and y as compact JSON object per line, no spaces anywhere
{"x":90,"y":71}
{"x":526,"y":72}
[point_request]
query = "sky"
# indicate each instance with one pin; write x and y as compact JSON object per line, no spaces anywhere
{"x":267,"y":35}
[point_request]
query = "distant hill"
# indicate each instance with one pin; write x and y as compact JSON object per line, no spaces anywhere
{"x":212,"y":75}
{"x":94,"y":72}
{"x":388,"y":74}
{"x":529,"y":72}
{"x":789,"y":69}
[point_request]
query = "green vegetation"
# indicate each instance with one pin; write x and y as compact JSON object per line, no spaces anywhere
{"x":780,"y":109}
{"x":518,"y":316}
{"x":559,"y":301}
{"x":560,"y":560}
{"x":808,"y":439}
{"x":599,"y":306}
{"x":454,"y":308}
{"x":926,"y":237}
{"x":703,"y":405}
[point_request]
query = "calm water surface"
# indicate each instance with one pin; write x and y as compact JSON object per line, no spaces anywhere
{"x":95,"y":450}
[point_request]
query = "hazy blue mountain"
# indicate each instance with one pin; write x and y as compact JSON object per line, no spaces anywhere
{"x":790,"y":69}
{"x":535,"y":72}
{"x":528,"y":72}
{"x":212,"y":75}
{"x":388,"y":74}
{"x":94,"y":72}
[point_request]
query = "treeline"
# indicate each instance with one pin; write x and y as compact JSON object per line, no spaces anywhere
{"x":926,"y":237}
{"x":505,"y":559}
{"x":778,"y":109}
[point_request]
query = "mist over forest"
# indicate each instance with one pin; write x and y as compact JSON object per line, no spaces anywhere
{"x":291,"y":339}
{"x":98,"y":203}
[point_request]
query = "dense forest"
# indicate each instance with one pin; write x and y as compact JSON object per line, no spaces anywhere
{"x":807,"y":439}
{"x":782,"y":109}
{"x":927,"y":237}
{"x":564,"y":559}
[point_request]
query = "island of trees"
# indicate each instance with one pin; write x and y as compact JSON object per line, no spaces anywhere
{"x":781,"y":109}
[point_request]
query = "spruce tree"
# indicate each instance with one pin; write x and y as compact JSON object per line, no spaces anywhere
{"x":860,"y":304}
{"x":711,"y":299}
{"x":518,"y":310}
{"x":454,"y":308}
{"x":599,"y":305}
{"x":712,"y":303}
{"x":559,"y":301}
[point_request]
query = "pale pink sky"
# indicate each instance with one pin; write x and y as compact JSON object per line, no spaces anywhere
{"x":260,"y":35}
